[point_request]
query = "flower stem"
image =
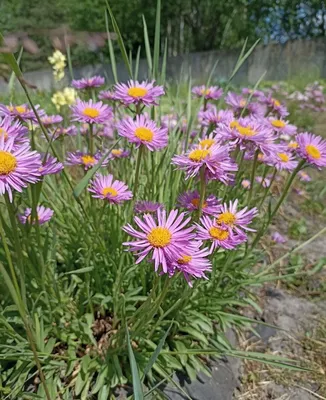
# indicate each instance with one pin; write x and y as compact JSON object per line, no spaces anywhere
{"x":268,"y":187}
{"x":91,"y":140}
{"x":202,"y":191}
{"x":139,"y":157}
{"x":252,"y":178}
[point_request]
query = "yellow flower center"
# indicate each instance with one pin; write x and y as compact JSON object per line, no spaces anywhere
{"x":284,"y":157}
{"x":313,"y":151}
{"x":91,"y":112}
{"x":293,"y":145}
{"x":3,"y":133}
{"x":226,"y":218}
{"x":207,"y":143}
{"x":278,"y":123}
{"x":111,"y":191}
{"x":261,"y":156}
{"x":144,"y":134}
{"x":184,"y":260}
{"x":137,"y":92}
{"x":159,"y":237}
{"x":219,"y":234}
{"x":245,"y":131}
{"x":116,"y":152}
{"x":243,"y":102}
{"x":276,"y":102}
{"x":234,"y":124}
{"x":8,"y":163}
{"x":88,"y":160}
{"x":199,"y":154}
{"x":205,"y":92}
{"x":20,"y":109}
{"x":195,"y":203}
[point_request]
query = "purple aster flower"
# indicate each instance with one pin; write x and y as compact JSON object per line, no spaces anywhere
{"x":62,"y":132}
{"x":105,"y":188}
{"x":169,"y":121}
{"x":165,"y":238}
{"x":85,"y":159}
{"x":304,"y":177}
{"x":88,"y":83}
{"x":22,"y":112}
{"x":210,"y":93}
{"x":274,"y":106}
{"x":214,"y":117}
{"x":238,"y":220}
{"x":283,"y":160}
{"x":280,"y":126}
{"x":312,"y":149}
{"x":135,"y":92}
{"x":238,"y":103}
{"x":119,"y":153}
{"x":190,"y":201}
{"x":245,"y":183}
{"x":254,"y":93}
{"x":107,"y":130}
{"x":51,"y":119}
{"x":10,"y":128}
{"x":18,"y":166}
{"x":143,"y":131}
{"x":43,"y":215}
{"x":278,"y":238}
{"x":193,"y":263}
{"x":265,"y":182}
{"x":144,"y":206}
{"x":219,"y":235}
{"x":91,"y":113}
{"x":50,"y":165}
{"x":216,"y":161}
{"x":106,"y":95}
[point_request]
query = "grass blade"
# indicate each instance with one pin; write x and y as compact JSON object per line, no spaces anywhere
{"x":136,"y":382}
{"x":111,"y":51}
{"x":157,"y":40}
{"x":120,"y":40}
{"x":163,"y":70}
{"x":137,"y":63}
{"x":148,"y":49}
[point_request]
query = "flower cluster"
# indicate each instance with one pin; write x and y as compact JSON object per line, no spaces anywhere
{"x":58,"y":62}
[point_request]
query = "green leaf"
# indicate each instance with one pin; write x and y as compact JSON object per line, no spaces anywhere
{"x":147,"y":48}
{"x":104,"y":393}
{"x":111,"y":51}
{"x":79,"y":271}
{"x":196,"y":334}
{"x":157,"y":40}
{"x":136,"y":382}
{"x":100,"y":380}
{"x":137,"y":63}
{"x":120,"y":40}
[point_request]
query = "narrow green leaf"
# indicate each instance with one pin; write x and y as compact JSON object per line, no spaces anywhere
{"x":148,"y":49}
{"x":157,"y":351}
{"x":104,"y":393}
{"x":136,"y":382}
{"x":163,"y":70}
{"x":137,"y":63}
{"x":79,"y":271}
{"x":84,"y":182}
{"x":157,"y":40}
{"x":120,"y":40}
{"x":111,"y":51}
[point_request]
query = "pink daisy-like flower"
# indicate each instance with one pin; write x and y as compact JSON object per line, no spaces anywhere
{"x":22,"y":112}
{"x":210,"y":93}
{"x":214,"y":117}
{"x":51,"y":119}
{"x":88,"y":83}
{"x":119,"y":153}
{"x":216,"y":161}
{"x":193,"y":263}
{"x":238,"y":220}
{"x":254,"y":93}
{"x":245,"y":183}
{"x":91,"y":113}
{"x":10,"y":128}
{"x":62,"y":132}
{"x":143,"y":131}
{"x":282,"y":127}
{"x":190,"y":201}
{"x":220,"y":236}
{"x":283,"y":160}
{"x":265,"y":182}
{"x":105,"y":188}
{"x":165,"y":238}
{"x":278,"y":238}
{"x":238,"y":103}
{"x":312,"y":149}
{"x":106,"y":95}
{"x":50,"y":165}
{"x":274,"y":105}
{"x":85,"y":159}
{"x":135,"y":92}
{"x":304,"y":177}
{"x":169,"y":121}
{"x":18,"y":166}
{"x":144,"y":206}
{"x":43,"y":215}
